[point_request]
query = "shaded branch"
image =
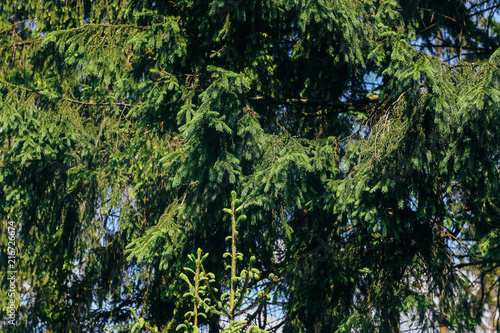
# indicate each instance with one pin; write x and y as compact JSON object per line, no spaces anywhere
{"x":451,"y":46}
{"x":326,"y":105}
{"x":484,"y":10}
{"x":13,"y":25}
{"x":65,"y":98}
{"x":476,"y":263}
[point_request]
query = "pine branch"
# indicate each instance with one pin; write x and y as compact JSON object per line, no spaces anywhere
{"x":15,"y":85}
{"x":254,"y":304}
{"x":476,"y":263}
{"x":326,"y":105}
{"x":116,"y":26}
{"x":13,"y":25}
{"x":433,"y":11}
{"x":65,"y":98}
{"x":94,"y":103}
{"x":482,"y":11}
{"x":478,"y":4}
{"x":451,"y":46}
{"x":233,"y":258}
{"x":245,"y":286}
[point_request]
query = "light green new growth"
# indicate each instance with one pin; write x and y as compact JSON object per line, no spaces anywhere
{"x":230,"y":304}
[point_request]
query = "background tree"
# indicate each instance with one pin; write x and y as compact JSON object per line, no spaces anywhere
{"x":362,"y":136}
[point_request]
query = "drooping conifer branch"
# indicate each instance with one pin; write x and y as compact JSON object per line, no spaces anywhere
{"x":324,"y":106}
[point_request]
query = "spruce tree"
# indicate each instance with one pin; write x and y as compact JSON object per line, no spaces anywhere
{"x":362,"y":136}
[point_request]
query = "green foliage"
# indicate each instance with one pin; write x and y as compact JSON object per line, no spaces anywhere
{"x":233,"y":303}
{"x":362,"y":136}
